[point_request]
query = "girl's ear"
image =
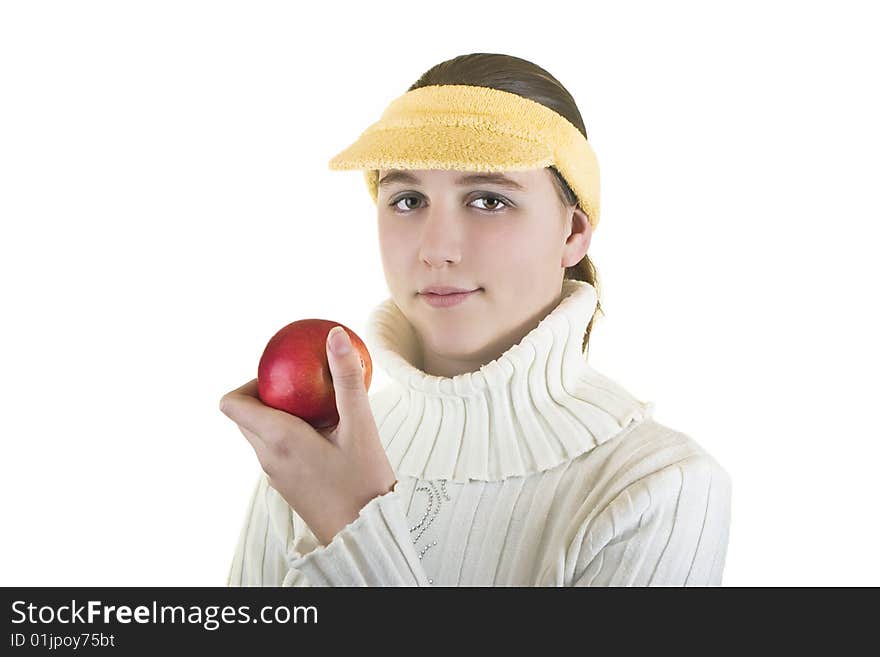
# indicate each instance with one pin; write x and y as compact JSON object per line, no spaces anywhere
{"x":578,"y":240}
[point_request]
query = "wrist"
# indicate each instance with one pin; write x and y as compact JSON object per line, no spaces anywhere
{"x":333,"y":526}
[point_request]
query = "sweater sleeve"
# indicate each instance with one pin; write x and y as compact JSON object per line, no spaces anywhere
{"x":375,"y":549}
{"x":260,"y":555}
{"x":276,"y":548}
{"x":670,"y":528}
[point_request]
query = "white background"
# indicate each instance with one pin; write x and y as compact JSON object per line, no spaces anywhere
{"x":166,"y":206}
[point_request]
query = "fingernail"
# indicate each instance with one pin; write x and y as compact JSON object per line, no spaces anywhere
{"x":339,"y":342}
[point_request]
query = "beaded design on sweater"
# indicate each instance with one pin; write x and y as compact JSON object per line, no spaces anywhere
{"x":436,"y":491}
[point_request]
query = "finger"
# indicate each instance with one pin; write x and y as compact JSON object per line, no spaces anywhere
{"x":250,"y":388}
{"x":271,"y":425}
{"x":276,"y":459}
{"x":347,"y":371}
{"x":228,"y":403}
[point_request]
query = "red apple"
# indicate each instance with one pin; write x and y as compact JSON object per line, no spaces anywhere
{"x":294,"y":374}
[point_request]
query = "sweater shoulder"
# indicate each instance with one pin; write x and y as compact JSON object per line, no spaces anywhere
{"x":661,"y":514}
{"x":648,"y":453}
{"x":653,"y":447}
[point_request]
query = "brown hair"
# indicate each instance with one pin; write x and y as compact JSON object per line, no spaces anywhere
{"x":521,"y":77}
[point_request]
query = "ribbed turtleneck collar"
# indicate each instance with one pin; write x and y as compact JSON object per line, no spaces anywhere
{"x":537,"y":405}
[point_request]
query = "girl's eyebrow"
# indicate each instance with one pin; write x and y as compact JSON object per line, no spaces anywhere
{"x":492,"y":178}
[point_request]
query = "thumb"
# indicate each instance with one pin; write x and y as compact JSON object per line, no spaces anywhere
{"x":348,"y":377}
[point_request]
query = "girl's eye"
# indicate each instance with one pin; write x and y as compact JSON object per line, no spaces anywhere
{"x":495,"y":200}
{"x":493,"y":205}
{"x":396,"y":204}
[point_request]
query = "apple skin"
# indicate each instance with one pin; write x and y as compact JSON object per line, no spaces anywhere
{"x":294,"y":373}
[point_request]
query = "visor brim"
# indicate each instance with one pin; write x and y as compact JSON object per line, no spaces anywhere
{"x":465,"y":148}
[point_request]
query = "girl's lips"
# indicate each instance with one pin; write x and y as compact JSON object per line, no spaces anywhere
{"x":447,"y":300}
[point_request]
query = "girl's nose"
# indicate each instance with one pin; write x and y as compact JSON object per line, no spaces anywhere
{"x":440,"y":239}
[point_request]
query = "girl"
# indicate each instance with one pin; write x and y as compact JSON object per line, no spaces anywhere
{"x":497,"y":456}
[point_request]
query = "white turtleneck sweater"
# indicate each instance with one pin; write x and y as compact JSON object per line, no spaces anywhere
{"x":536,"y":470}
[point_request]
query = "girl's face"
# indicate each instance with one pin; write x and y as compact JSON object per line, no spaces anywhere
{"x":505,"y":235}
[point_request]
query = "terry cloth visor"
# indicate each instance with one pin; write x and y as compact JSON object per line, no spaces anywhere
{"x":471,"y":128}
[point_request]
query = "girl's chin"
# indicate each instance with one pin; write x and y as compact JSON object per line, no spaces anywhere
{"x":463,"y":347}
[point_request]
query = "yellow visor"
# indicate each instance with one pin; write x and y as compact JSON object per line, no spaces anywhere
{"x":470,"y":128}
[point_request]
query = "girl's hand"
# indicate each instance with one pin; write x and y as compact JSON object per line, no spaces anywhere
{"x":325,"y":475}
